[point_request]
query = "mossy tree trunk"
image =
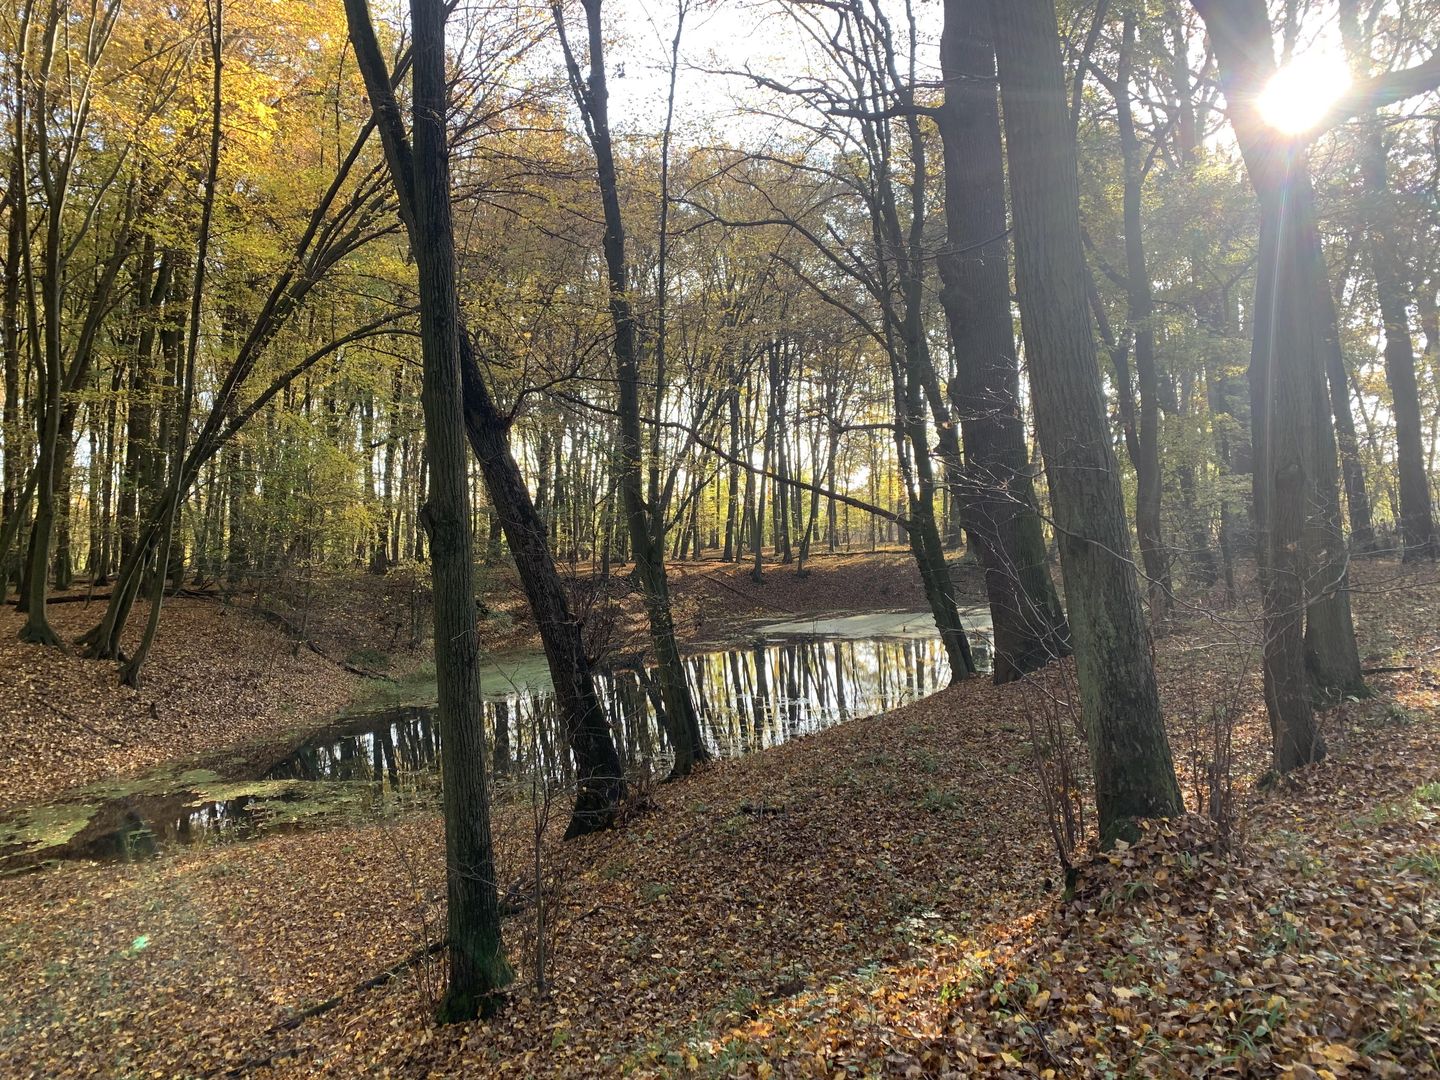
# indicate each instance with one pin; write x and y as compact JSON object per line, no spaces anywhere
{"x":1130,"y":754}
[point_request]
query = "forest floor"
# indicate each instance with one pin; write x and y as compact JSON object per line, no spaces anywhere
{"x":217,"y":676}
{"x":878,"y":899}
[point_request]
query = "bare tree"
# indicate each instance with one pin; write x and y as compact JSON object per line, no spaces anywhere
{"x":647,"y":540}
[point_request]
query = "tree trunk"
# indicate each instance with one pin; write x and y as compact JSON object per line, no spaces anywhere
{"x":1130,"y":754}
{"x":997,"y":495}
{"x":775,"y":437}
{"x":1352,"y":469}
{"x":11,"y":433}
{"x":1301,"y":559}
{"x":478,"y":968}
{"x":1418,"y":537}
{"x":732,"y":494}
{"x":601,"y":783}
{"x":646,"y":542}
{"x":1141,"y":310}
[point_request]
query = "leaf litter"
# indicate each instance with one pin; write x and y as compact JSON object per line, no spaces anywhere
{"x":878,"y":899}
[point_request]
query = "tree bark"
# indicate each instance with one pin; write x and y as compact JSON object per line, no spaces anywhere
{"x":478,"y":968}
{"x":1352,"y":469}
{"x":11,"y":433}
{"x":996,"y":493}
{"x":1130,"y":754}
{"x":732,"y":493}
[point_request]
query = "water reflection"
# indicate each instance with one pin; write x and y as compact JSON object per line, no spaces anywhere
{"x":748,"y":698}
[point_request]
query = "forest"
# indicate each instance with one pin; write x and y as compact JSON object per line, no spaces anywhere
{"x":727,"y":538}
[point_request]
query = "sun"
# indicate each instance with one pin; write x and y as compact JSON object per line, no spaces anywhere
{"x":1298,"y":95}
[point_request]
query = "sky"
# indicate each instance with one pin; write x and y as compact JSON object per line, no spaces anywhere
{"x":719,"y":35}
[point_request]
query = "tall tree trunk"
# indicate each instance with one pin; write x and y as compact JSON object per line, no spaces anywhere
{"x":600,"y":776}
{"x":997,"y":493}
{"x":767,"y":455}
{"x":1130,"y":754}
{"x":1141,"y":305}
{"x":1418,"y":536}
{"x":63,"y":562}
{"x":11,"y":433}
{"x":185,"y":369}
{"x":732,"y":494}
{"x":1352,"y":469}
{"x":915,"y":385}
{"x":647,"y":545}
{"x":478,"y":968}
{"x":1300,"y":552}
{"x":1187,"y":142}
{"x":775,"y":434}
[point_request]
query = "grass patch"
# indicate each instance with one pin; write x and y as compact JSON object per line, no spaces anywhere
{"x":374,"y":659}
{"x":938,"y":801}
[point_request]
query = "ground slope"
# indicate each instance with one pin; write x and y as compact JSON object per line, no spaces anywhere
{"x":879,"y":899}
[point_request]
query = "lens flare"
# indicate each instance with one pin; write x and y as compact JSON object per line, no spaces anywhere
{"x":1300,"y":93}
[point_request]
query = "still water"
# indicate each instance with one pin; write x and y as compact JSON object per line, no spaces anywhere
{"x":790,"y":680}
{"x":748,"y":698}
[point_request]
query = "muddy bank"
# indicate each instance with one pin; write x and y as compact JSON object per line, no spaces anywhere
{"x":712,"y":600}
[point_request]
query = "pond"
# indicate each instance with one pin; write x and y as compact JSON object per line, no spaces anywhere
{"x":790,"y":679}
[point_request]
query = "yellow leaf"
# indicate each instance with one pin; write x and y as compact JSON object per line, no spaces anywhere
{"x":1341,"y":1053}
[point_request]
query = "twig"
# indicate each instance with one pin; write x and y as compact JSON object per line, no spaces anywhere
{"x":325,"y":1006}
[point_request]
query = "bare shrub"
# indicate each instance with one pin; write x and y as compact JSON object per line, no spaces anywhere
{"x":1054,"y":721}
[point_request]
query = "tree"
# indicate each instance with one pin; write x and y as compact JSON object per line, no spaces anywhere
{"x":1145,"y":446}
{"x":478,"y":968}
{"x":647,"y":540}
{"x":55,"y":92}
{"x":1303,"y":577}
{"x":601,"y":782}
{"x":875,"y":269}
{"x":1418,"y":537}
{"x":215,"y":18}
{"x":996,"y":487}
{"x":1130,"y":754}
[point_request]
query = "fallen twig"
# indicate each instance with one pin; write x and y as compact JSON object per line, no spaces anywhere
{"x":325,"y":1006}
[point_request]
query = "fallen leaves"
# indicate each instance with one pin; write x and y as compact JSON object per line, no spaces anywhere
{"x":217,"y":677}
{"x":895,"y":920}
